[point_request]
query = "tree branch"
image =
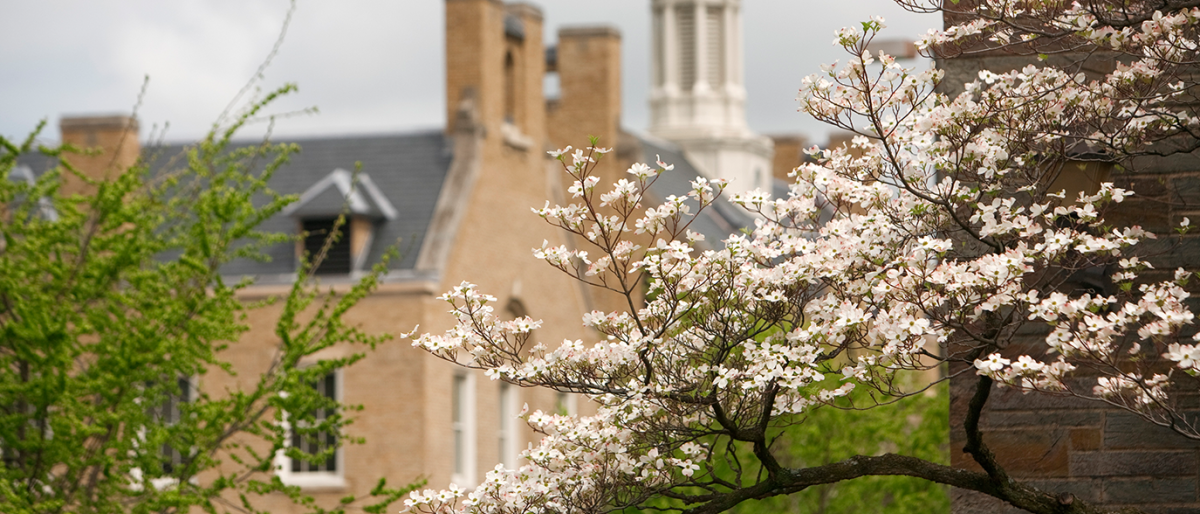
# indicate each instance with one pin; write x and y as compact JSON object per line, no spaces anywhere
{"x":1015,"y":493}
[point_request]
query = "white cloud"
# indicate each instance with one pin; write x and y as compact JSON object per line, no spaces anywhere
{"x":369,"y":65}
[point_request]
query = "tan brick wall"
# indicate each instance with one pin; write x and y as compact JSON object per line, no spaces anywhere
{"x":530,"y":69}
{"x":407,"y":394}
{"x":110,"y":143}
{"x":494,"y":248}
{"x":474,"y":58}
{"x":589,"y":71}
{"x":389,"y":384}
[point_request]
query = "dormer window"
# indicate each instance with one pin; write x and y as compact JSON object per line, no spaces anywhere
{"x":340,"y":193}
{"x":338,"y":258}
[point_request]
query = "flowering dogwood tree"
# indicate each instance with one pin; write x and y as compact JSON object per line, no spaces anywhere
{"x":937,"y":236}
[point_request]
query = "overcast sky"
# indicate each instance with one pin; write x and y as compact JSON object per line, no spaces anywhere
{"x":369,"y":66}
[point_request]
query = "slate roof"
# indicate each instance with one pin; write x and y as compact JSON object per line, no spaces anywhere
{"x":406,"y":173}
{"x":407,"y":170}
{"x":717,"y":222}
{"x":35,"y":163}
{"x":24,"y":172}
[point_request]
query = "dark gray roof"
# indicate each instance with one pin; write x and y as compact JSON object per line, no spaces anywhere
{"x":780,"y":189}
{"x":406,"y":170}
{"x":402,"y":174}
{"x":36,"y":162}
{"x":717,"y":222}
{"x":27,"y":170}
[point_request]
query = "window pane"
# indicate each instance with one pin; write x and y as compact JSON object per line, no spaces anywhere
{"x":503,"y":423}
{"x":457,"y":406}
{"x":314,"y":443}
{"x":337,"y":258}
{"x":169,"y":413}
{"x":297,"y":442}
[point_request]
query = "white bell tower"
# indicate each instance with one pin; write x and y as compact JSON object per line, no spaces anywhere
{"x":698,"y":97}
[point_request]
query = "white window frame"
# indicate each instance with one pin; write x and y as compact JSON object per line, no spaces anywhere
{"x":507,"y":435}
{"x":462,"y":407}
{"x":162,"y":483}
{"x":310,"y":480}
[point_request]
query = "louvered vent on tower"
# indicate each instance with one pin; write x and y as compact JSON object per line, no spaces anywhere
{"x":714,"y":28}
{"x":659,"y":56}
{"x":686,"y":17}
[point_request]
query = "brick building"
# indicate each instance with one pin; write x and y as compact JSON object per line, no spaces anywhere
{"x":457,"y":201}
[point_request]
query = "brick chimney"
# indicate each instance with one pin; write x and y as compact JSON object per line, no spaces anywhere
{"x":114,"y":140}
{"x":474,"y":58}
{"x":588,"y":61}
{"x":494,"y":56}
{"x":528,"y":50}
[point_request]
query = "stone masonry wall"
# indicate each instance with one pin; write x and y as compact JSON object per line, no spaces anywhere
{"x":1068,"y":445}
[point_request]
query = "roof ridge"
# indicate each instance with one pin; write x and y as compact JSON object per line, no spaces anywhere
{"x":418,"y":132}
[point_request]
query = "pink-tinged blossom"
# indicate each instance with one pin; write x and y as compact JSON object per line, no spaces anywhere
{"x":936,"y":230}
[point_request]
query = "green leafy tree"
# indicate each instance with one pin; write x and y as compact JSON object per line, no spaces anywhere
{"x":112,"y":308}
{"x":916,"y":425}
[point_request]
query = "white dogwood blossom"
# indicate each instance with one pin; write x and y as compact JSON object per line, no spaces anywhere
{"x":938,"y":235}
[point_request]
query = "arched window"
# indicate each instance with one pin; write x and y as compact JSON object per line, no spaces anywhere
{"x":510,"y":88}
